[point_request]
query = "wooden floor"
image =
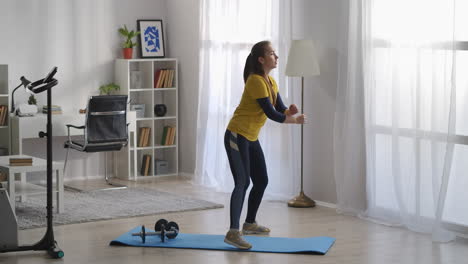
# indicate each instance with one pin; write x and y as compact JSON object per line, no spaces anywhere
{"x":358,"y":241}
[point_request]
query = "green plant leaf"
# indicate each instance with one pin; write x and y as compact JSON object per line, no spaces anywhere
{"x":129,"y":35}
{"x":32,"y":100}
{"x":107,"y":89}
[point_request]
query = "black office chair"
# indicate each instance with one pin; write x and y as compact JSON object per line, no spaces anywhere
{"x":105,"y":129}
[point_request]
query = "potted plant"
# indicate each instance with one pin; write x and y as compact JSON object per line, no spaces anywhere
{"x":128,"y":44}
{"x":33,"y":103}
{"x":107,"y":89}
{"x":32,"y":100}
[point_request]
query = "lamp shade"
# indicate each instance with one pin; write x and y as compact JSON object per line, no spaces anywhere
{"x":302,"y":59}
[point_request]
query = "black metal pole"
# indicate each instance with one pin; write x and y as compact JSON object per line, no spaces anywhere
{"x":48,"y":241}
{"x":50,"y":207}
{"x":302,"y":136}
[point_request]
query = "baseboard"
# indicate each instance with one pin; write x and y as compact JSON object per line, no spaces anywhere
{"x":44,"y":182}
{"x":186,"y":175}
{"x":181,"y":176}
{"x":83,"y":178}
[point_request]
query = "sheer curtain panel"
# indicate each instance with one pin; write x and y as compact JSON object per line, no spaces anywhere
{"x":411,"y":79}
{"x":228,"y":30}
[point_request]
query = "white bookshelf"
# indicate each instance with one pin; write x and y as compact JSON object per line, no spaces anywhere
{"x":129,"y":161}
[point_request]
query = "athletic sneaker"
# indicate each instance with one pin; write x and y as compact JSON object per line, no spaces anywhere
{"x":249,"y":229}
{"x":234,"y":238}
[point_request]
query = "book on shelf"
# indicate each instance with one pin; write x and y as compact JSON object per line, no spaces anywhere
{"x":147,"y":137}
{"x":142,"y":168}
{"x":171,"y":78}
{"x":164,"y":78}
{"x":168,"y":79}
{"x":164,"y":135}
{"x":146,"y":132}
{"x":21,"y":164}
{"x":163,"y":81}
{"x":157,"y":74}
{"x":144,"y":136}
{"x":148,"y":165}
{"x":160,"y":78}
{"x":145,"y":165}
{"x":141,"y":134}
{"x":168,"y":136}
{"x":3,"y":115}
{"x":25,"y":159}
{"x":21,"y":161}
{"x":54,"y":109}
{"x":172,"y":138}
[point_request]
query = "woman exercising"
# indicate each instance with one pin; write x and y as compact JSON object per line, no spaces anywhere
{"x":260,"y":100}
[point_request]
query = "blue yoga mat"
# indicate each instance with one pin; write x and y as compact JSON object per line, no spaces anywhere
{"x":308,"y":245}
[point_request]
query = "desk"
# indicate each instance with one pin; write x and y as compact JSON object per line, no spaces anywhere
{"x":29,"y":127}
{"x":23,"y":188}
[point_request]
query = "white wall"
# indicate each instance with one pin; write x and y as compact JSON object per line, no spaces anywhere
{"x":320,"y":20}
{"x":183,"y":37}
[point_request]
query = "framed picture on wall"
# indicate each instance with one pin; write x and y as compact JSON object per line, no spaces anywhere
{"x":151,"y":38}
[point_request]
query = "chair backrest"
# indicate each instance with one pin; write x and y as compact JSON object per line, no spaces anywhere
{"x":106,"y":119}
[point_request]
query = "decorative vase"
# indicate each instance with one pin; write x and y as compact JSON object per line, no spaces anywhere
{"x":127,"y":53}
{"x":160,"y":110}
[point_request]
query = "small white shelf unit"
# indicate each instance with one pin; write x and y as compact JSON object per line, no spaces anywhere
{"x":137,"y":79}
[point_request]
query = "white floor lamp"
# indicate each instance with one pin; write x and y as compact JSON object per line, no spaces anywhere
{"x":302,"y":62}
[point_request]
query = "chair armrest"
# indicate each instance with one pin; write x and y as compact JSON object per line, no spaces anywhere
{"x":68,"y":130}
{"x":77,"y":127}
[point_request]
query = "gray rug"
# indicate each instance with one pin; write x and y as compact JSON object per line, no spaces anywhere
{"x":83,"y":207}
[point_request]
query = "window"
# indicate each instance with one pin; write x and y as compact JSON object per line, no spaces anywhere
{"x":417,"y":78}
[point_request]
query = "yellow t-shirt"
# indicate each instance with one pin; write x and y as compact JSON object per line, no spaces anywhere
{"x":249,"y":117}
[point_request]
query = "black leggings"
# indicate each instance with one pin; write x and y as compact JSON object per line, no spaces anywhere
{"x":247,"y":162}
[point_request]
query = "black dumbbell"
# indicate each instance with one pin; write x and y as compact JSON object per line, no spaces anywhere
{"x":162,"y":228}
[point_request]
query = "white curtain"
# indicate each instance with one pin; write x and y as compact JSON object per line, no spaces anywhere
{"x":228,"y":31}
{"x":403,"y":94}
{"x":349,"y":129}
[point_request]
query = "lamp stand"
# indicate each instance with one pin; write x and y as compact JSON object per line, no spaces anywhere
{"x":302,"y":201}
{"x":13,"y":99}
{"x":47,"y":242}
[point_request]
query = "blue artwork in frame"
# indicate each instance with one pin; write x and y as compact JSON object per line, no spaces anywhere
{"x":151,"y":38}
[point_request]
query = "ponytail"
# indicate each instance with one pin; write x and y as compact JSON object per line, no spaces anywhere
{"x":248,"y":67}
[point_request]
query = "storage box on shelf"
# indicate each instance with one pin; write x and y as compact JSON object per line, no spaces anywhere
{"x":151,"y":86}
